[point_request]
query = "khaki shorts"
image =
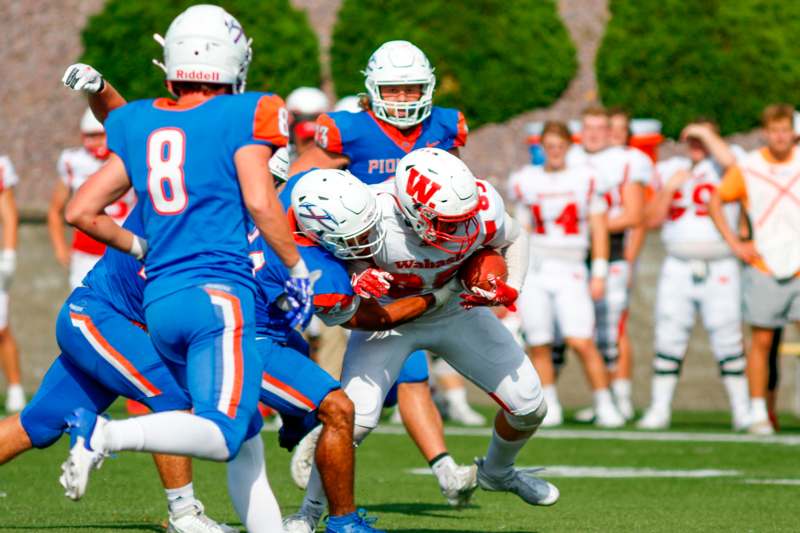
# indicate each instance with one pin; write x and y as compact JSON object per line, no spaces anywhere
{"x":767,"y":302}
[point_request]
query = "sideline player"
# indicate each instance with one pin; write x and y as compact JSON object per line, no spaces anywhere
{"x":304,"y":104}
{"x":9,"y":218}
{"x":106,"y":354}
{"x":397,"y":116}
{"x":75,"y":165}
{"x":699,"y":273}
{"x":197,"y":185}
{"x":560,"y":207}
{"x":624,"y":176}
{"x":424,"y":248}
{"x":767,"y":183}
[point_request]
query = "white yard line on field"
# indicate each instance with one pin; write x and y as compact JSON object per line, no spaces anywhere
{"x":600,"y":434}
{"x":607,"y":472}
{"x":772,"y":481}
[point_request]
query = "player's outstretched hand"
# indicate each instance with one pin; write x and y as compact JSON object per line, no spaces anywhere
{"x":372,"y":283}
{"x":83,"y":77}
{"x":500,"y":293}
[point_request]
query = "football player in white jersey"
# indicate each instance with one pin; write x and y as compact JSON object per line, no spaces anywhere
{"x":9,"y":354}
{"x":700,"y":273}
{"x":558,"y":206}
{"x":75,"y":165}
{"x":624,"y":176}
{"x":435,"y":214}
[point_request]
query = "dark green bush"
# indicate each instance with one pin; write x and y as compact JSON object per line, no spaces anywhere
{"x":493,"y":58}
{"x":118,"y":42}
{"x":675,"y":60}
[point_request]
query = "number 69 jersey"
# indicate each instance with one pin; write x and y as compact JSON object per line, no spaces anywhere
{"x":688,"y":220}
{"x":180,"y":161}
{"x":556,"y":206}
{"x":418,"y":268}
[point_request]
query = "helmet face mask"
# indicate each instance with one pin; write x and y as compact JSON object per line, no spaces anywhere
{"x":452,"y":234}
{"x":206,"y":44}
{"x":336,"y":210}
{"x":400,"y":63}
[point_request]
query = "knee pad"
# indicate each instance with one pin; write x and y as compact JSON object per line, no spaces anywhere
{"x":529,"y":421}
{"x":733,"y":365}
{"x":667,"y":365}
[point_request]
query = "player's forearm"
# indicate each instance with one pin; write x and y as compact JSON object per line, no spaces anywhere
{"x":372,"y":316}
{"x":656,"y":211}
{"x":600,"y":241}
{"x":632,"y":209}
{"x":635,"y":243}
{"x":715,"y":211}
{"x":101,"y":227}
{"x":104,"y":102}
{"x":55,"y":228}
{"x":718,"y":149}
{"x":517,"y":256}
{"x":271,"y":222}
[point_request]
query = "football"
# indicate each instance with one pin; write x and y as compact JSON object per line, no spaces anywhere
{"x":474,"y":272}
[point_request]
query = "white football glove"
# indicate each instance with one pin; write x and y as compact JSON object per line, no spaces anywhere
{"x":8,"y":264}
{"x":83,"y":77}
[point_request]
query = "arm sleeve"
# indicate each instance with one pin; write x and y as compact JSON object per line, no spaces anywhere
{"x":328,"y":136}
{"x":732,"y":187}
{"x":516,"y":254}
{"x":335,"y":309}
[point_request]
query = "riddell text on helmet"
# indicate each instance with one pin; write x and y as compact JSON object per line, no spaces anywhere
{"x":196,"y":75}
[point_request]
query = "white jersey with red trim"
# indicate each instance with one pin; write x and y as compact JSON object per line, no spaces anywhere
{"x":418,"y":268}
{"x":555,"y":207}
{"x":615,"y":166}
{"x":8,"y":176}
{"x":75,"y":165}
{"x":688,"y":219}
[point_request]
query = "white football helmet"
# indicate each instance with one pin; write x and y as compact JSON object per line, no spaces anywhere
{"x":350,"y":103}
{"x":90,"y":125}
{"x":206,"y":44}
{"x":307,"y":101}
{"x":438,"y":195}
{"x":279,"y":165}
{"x":400,"y":63}
{"x":338,"y":211}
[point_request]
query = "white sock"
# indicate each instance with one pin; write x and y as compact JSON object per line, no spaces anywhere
{"x":551,"y":395}
{"x":758,"y":410}
{"x":442,"y":467}
{"x":738,"y":394}
{"x":603,"y":400}
{"x":180,"y":498}
{"x":501,"y":455}
{"x":314,"y":501}
{"x":456,"y":396}
{"x":170,"y":432}
{"x":621,"y":388}
{"x":663,"y":391}
{"x":249,"y":489}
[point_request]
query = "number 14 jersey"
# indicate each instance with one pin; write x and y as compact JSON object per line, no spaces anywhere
{"x":180,"y":161}
{"x":555,"y":207}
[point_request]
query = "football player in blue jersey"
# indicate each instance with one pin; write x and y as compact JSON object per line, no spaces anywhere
{"x":199,"y":165}
{"x":398,"y":116}
{"x":107,"y":354}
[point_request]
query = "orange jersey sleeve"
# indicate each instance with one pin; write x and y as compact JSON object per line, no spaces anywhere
{"x":732,"y":187}
{"x":328,"y":137}
{"x":271,"y":121}
{"x":463,"y":131}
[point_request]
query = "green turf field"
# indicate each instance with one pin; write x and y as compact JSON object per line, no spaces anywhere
{"x":741,"y":493}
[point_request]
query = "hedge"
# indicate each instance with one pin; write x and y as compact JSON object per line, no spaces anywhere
{"x":493,"y":58}
{"x":118,"y":42}
{"x":675,"y":60}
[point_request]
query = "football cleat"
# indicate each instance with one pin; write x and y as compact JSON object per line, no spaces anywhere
{"x":458,"y":485}
{"x":625,"y":407}
{"x":554,"y":416}
{"x":529,"y":488}
{"x":609,"y":417}
{"x":305,"y":520}
{"x":15,"y":399}
{"x":82,"y":426}
{"x":193,"y":519}
{"x":762,"y":427}
{"x":654,"y":419}
{"x":585,"y":415}
{"x":357,"y":522}
{"x":462,"y":413}
{"x":303,"y":458}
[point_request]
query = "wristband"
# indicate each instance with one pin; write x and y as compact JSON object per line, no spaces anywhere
{"x":138,"y":248}
{"x":599,"y":267}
